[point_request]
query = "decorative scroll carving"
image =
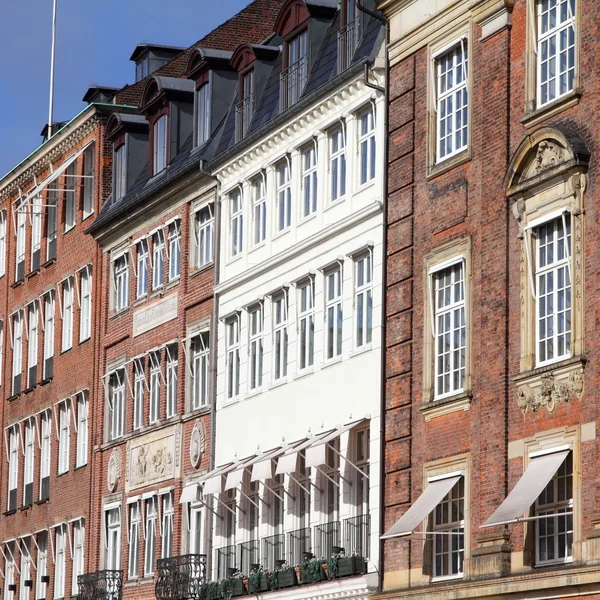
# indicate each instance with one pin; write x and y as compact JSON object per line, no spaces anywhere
{"x":114,"y":470}
{"x":548,"y":155}
{"x":518,"y":209}
{"x":197,"y":444}
{"x":551,"y":392}
{"x":578,"y":183}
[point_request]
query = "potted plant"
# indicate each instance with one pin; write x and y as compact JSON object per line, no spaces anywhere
{"x":258,"y":580}
{"x":340,"y":565}
{"x":211,"y":591}
{"x":283,"y":576}
{"x":311,"y":571}
{"x":233,"y":585}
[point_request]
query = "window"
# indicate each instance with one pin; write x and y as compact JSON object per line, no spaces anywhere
{"x":48,"y":335}
{"x":554,"y":533}
{"x":29,"y":461}
{"x":168,"y":512}
{"x":116,"y":404}
{"x":199,"y":370}
{"x":142,"y":68}
{"x":232,"y":332}
{"x":59,"y":562}
{"x":21,"y":217}
{"x":553,"y":288}
{"x":367,"y":146}
{"x":63,"y":437}
{"x":89,"y":180}
{"x":159,"y":140}
{"x":334,"y":315}
{"x":70,"y":195}
{"x":82,"y":429}
{"x":255,"y":317}
{"x":361,"y":488}
{"x":172,"y":364}
{"x":134,"y":539}
{"x":363,"y":299}
{"x":280,"y":336}
{"x":78,"y":550}
{"x":204,"y":228}
{"x":196,"y":529}
{"x":113,"y":538}
{"x":555,"y":49}
{"x":13,"y":467}
{"x":449,"y":329}
{"x":41,"y":565}
{"x":85,"y":309}
{"x":17,"y":355}
{"x":452,"y":101}
{"x":46,"y":433}
{"x":284,"y":196}
{"x":142,"y":268}
{"x":120,"y":172}
{"x":121,"y":277}
{"x":306,"y":325}
{"x":259,"y":210}
{"x":139,"y":391}
{"x":36,"y":231}
{"x":155,"y":379}
{"x":2,"y":243}
{"x":158,"y":260}
{"x":174,"y":250}
{"x":337,"y":163}
{"x":245,"y":107}
{"x":25,"y":569}
{"x":9,"y":570}
{"x":203,"y":115}
{"x":68,"y":308}
{"x":51,"y":224}
{"x":150,"y":536}
{"x":309,"y":181}
{"x":449,"y":526}
{"x":237,"y":223}
{"x":349,"y":34}
{"x":32,"y":350}
{"x":295,"y":73}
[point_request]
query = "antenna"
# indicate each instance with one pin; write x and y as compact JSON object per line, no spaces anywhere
{"x":52,"y":52}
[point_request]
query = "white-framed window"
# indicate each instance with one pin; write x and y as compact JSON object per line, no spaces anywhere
{"x":48,"y":334}
{"x":21,"y":217}
{"x":2,"y":243}
{"x":555,"y":49}
{"x":158,"y":259}
{"x":203,"y":114}
{"x":363,"y":300}
{"x":32,"y":349}
{"x":367,"y":145}
{"x":452,"y":100}
{"x":9,"y":570}
{"x":284,"y":196}
{"x":295,"y":73}
{"x":89,"y":180}
{"x":112,"y":518}
{"x":337,"y":163}
{"x":17,"y":354}
{"x":280,"y":336}
{"x":196,"y":529}
{"x":204,"y":228}
{"x":449,"y":526}
{"x":553,"y":290}
{"x":259,"y":209}
{"x":232,"y":332}
{"x":150,"y":541}
{"x":255,"y":327}
{"x":155,"y":381}
{"x":333,"y":313}
{"x":29,"y":462}
{"x":64,"y":436}
{"x":82,"y":429}
{"x":78,"y":554}
{"x":142,"y":268}
{"x":237,"y":222}
{"x":554,"y":533}
{"x":45,"y":456}
{"x":159,"y":145}
{"x":306,"y":324}
{"x":310,"y":181}
{"x":139,"y":392}
{"x":168,"y":514}
{"x":25,"y":569}
{"x":13,"y":467}
{"x":135,"y":521}
{"x":70,"y":196}
{"x":120,"y":172}
{"x":60,"y":562}
{"x":450,"y":332}
{"x":36,"y":231}
{"x":121,"y":282}
{"x":200,"y":358}
{"x":68,"y":308}
{"x":51,"y":223}
{"x":41,"y":564}
{"x":174,"y":250}
{"x":116,"y":404}
{"x":85,"y":309}
{"x":172,"y":365}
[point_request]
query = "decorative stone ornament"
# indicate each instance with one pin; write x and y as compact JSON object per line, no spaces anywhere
{"x":197,"y":444}
{"x":114,"y":470}
{"x":551,"y":392}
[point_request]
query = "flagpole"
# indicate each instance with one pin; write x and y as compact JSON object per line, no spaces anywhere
{"x":52,"y":52}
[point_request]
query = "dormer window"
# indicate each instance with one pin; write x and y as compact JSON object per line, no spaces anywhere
{"x":119,"y":172}
{"x":159,"y":141}
{"x":349,"y":34}
{"x":245,"y":107}
{"x":142,"y":69}
{"x":295,"y":73}
{"x":203,"y":114}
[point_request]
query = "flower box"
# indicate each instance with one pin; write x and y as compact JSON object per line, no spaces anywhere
{"x":312,"y":572}
{"x":258,"y":584}
{"x":284,"y":579}
{"x":350,"y":565}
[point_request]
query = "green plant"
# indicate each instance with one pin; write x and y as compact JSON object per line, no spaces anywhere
{"x":258,"y":580}
{"x":311,"y":571}
{"x":333,"y":565}
{"x":210,"y":590}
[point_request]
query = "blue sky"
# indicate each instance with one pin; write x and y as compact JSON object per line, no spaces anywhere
{"x":94,"y":43}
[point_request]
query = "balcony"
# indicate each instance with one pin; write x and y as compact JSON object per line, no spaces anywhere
{"x":293,"y":80}
{"x":243,"y":115}
{"x":298,"y":543}
{"x":181,"y":577}
{"x":325,"y":537}
{"x":225,"y":559}
{"x":348,"y":38}
{"x":273,"y":551}
{"x":248,"y":555}
{"x":101,"y":585}
{"x":357,"y":535}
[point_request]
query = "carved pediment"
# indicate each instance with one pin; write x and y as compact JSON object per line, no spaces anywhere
{"x":548,"y":154}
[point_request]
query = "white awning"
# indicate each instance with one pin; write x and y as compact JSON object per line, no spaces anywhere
{"x":288,"y":463}
{"x":189,"y":493}
{"x":538,"y":474}
{"x":234,"y":479}
{"x":262,"y":470}
{"x":316,"y":454}
{"x":432,"y":495}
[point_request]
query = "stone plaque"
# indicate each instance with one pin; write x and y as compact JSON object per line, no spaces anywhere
{"x":155,"y":314}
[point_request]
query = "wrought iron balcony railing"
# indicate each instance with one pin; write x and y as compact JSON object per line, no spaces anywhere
{"x":325,"y":537}
{"x":298,"y":542}
{"x":180,"y":577}
{"x":101,"y":585}
{"x":357,"y":536}
{"x":243,"y":115}
{"x":249,"y":554}
{"x":273,"y":550}
{"x":293,"y":80}
{"x":225,"y":559}
{"x":348,"y":38}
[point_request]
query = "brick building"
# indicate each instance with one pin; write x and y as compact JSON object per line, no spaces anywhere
{"x":490,"y":429}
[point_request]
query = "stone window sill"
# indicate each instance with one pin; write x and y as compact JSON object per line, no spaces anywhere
{"x":448,"y":164}
{"x":437,"y":408}
{"x":547,"y":111}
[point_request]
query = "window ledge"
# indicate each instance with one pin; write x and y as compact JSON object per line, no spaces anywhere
{"x":447,"y":578}
{"x":437,"y":408}
{"x":330,"y":362}
{"x":361,"y":350}
{"x":25,"y":507}
{"x":16,"y":284}
{"x":46,"y":381}
{"x":13,"y":397}
{"x":305,"y":372}
{"x":40,"y":502}
{"x":66,"y":350}
{"x":197,"y":412}
{"x":33,"y":273}
{"x":448,"y":164}
{"x":67,"y":229}
{"x":308,"y":218}
{"x":62,"y":474}
{"x":119,"y":313}
{"x":281,"y":233}
{"x":547,"y":111}
{"x":79,"y":467}
{"x":365,"y":186}
{"x":202,"y":269}
{"x":557,"y":366}
{"x":29,"y":389}
{"x":174,"y":283}
{"x":48,"y":263}
{"x":9,"y":512}
{"x":331,"y":204}
{"x":87,"y":339}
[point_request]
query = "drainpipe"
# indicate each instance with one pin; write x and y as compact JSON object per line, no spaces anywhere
{"x":375,"y":15}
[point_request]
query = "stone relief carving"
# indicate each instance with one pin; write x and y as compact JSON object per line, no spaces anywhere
{"x":152,"y":459}
{"x":551,"y":392}
{"x":548,"y":155}
{"x":114,"y":470}
{"x":197,"y":444}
